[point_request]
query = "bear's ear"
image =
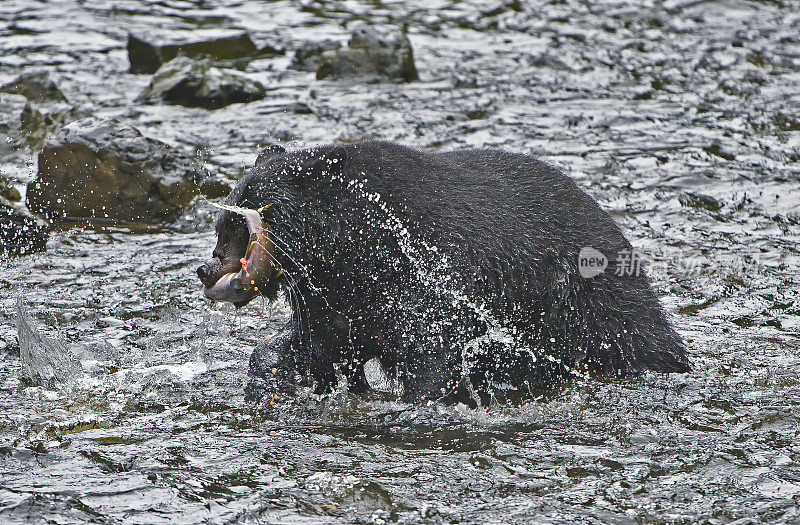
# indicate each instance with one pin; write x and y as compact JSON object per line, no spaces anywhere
{"x":330,"y":162}
{"x":268,"y":152}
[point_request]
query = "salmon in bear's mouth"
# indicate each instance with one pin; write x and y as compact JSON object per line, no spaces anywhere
{"x":257,"y":264}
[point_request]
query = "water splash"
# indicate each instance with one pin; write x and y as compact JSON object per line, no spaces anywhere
{"x":45,"y":361}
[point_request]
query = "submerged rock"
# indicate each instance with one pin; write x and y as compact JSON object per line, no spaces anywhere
{"x":371,"y":53}
{"x":198,"y":84}
{"x":20,"y":232}
{"x":306,"y":57}
{"x":36,"y":87}
{"x":699,"y":201}
{"x":146,"y":57}
{"x":718,"y":150}
{"x":103,"y":168}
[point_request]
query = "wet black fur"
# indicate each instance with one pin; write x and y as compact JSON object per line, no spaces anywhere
{"x":510,"y":227}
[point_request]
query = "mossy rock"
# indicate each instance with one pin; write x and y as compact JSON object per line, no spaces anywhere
{"x":103,"y":168}
{"x":20,"y":232}
{"x":7,"y":191}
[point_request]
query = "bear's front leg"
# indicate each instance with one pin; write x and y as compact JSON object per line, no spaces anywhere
{"x":330,"y":354}
{"x":431,"y":371}
{"x":329,"y":345}
{"x":274,"y":364}
{"x":337,"y":345}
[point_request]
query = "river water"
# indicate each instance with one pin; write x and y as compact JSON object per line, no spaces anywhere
{"x":680,"y":117}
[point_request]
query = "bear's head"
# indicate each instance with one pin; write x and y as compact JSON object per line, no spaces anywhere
{"x":244,"y":264}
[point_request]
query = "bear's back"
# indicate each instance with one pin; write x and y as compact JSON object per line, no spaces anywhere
{"x":498,"y":200}
{"x":509,"y":209}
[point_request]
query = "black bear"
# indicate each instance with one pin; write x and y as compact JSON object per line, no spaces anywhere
{"x":460,"y":271}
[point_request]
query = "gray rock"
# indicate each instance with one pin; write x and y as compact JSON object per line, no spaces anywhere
{"x":306,"y":57}
{"x":25,"y":126}
{"x":21,"y":126}
{"x":103,"y":168}
{"x":36,"y":87}
{"x":374,"y":53}
{"x":146,"y":57}
{"x":21,"y":233}
{"x":198,"y":84}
